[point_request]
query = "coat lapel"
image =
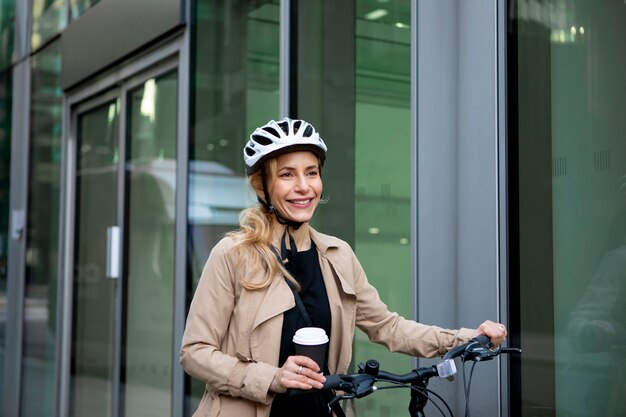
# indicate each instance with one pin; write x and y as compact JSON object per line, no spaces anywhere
{"x":277,"y":299}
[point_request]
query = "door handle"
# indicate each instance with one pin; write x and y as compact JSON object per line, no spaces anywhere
{"x":113,"y":252}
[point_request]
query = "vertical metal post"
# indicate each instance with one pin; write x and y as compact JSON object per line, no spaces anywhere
{"x":502,"y":189}
{"x":182,"y":191}
{"x":414,"y":154}
{"x":20,"y":136}
{"x":285,"y":58}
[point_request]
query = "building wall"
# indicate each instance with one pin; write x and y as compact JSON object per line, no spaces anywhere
{"x":393,"y":171}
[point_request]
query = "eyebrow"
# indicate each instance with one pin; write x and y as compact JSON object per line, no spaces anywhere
{"x":290,"y":168}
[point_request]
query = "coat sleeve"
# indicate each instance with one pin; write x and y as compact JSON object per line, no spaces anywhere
{"x":206,"y":329}
{"x":394,"y":331}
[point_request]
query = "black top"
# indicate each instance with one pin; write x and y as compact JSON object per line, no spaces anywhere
{"x":305,"y":268}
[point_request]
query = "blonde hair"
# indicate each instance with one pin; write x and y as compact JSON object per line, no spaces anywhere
{"x":255,"y":235}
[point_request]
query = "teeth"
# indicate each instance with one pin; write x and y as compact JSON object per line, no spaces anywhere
{"x":301,"y":202}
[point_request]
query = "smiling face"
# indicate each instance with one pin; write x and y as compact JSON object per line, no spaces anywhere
{"x":297,"y":187}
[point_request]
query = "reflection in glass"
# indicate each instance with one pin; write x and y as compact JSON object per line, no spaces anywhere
{"x":49,"y":17}
{"x":5,"y":170}
{"x":235,"y":82}
{"x":150,"y":228}
{"x":42,"y":235}
{"x":7,"y":31}
{"x":570,"y":107}
{"x":96,"y":210}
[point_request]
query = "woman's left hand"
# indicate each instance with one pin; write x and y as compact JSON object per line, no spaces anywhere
{"x":495,"y":331}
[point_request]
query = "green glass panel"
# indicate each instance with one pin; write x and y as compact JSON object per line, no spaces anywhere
{"x":235,"y":82}
{"x":382,"y":211}
{"x":571,"y":157}
{"x":7,"y":31}
{"x":150,"y":229}
{"x":49,"y":17}
{"x":94,"y":293}
{"x":42,"y":235}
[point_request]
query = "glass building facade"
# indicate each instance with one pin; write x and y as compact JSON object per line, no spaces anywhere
{"x":476,"y":166}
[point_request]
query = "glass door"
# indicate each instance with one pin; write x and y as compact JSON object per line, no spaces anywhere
{"x":96,"y":203}
{"x":124,"y":250}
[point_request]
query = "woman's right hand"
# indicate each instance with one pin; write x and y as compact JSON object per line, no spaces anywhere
{"x":299,"y":372}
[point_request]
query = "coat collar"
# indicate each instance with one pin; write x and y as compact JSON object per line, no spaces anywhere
{"x":278,"y":298}
{"x":322,"y":241}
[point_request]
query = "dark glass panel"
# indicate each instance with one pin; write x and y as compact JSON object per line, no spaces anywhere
{"x":568,"y":208}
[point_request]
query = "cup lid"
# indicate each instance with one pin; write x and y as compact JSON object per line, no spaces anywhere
{"x":310,"y":336}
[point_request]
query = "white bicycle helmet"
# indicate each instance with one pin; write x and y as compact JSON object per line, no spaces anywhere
{"x":275,"y":138}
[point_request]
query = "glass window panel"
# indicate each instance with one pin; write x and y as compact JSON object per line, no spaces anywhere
{"x":42,"y":248}
{"x":382,"y":211}
{"x":49,"y":17}
{"x":93,"y":291}
{"x":570,"y":154}
{"x":235,"y":81}
{"x":5,"y":170}
{"x":150,"y":228}
{"x":79,"y":7}
{"x":7,"y":31}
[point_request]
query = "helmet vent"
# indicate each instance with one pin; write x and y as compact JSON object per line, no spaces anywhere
{"x":249,"y":151}
{"x":308,"y":131}
{"x":296,"y":126}
{"x":261,"y":140}
{"x":271,"y":131}
{"x":284,"y":126}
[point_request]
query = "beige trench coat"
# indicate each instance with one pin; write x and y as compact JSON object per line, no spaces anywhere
{"x":232,"y":336}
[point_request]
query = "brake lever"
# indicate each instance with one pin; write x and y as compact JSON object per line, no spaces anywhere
{"x":480,"y":354}
{"x":483,"y":354}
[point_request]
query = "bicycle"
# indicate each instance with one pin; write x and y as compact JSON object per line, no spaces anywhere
{"x":363,"y":383}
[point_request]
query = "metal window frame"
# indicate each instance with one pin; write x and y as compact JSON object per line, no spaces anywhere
{"x":18,"y":200}
{"x":502,"y":191}
{"x":20,"y":158}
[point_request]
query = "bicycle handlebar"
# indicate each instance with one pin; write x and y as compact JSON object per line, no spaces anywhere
{"x":362,"y":383}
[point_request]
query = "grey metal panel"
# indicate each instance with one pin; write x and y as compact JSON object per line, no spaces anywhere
{"x":182,"y":188}
{"x":21,"y":42}
{"x":110,"y":31}
{"x":503,"y":236}
{"x":285,"y":58}
{"x":457,"y":177}
{"x":414,"y":157}
{"x":17,"y":239}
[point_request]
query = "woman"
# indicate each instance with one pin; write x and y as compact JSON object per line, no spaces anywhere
{"x":238,"y":338}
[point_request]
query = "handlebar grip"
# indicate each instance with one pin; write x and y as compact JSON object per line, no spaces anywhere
{"x":458,"y":351}
{"x":332,"y":382}
{"x":484,"y":340}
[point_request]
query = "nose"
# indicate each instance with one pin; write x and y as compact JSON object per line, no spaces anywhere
{"x":302,"y":184}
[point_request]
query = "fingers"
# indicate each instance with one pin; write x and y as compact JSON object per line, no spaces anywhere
{"x":495,"y":331}
{"x":300,"y":372}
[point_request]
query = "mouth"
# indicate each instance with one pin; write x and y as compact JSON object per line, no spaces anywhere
{"x":301,"y":202}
